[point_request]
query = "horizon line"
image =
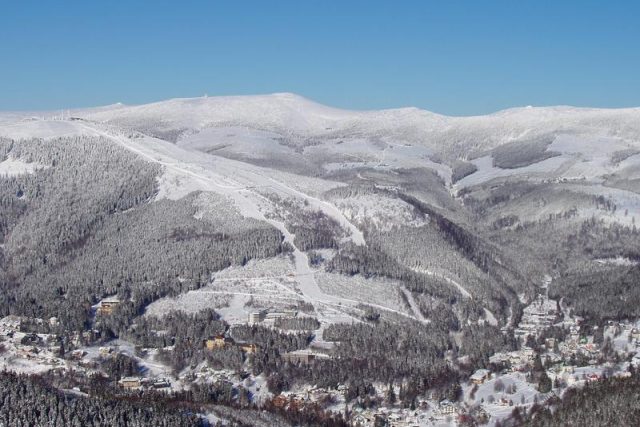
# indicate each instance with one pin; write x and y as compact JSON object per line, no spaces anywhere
{"x":308,"y":99}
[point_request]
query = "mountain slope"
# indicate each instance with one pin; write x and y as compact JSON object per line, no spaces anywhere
{"x":331,"y":180}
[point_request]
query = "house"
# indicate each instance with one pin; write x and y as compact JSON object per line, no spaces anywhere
{"x":499,"y":358}
{"x":78,"y":354}
{"x":130,"y":383}
{"x":280,"y":401}
{"x":257,"y":317}
{"x":593,"y":377}
{"x":219,"y":341}
{"x":104,"y":351}
{"x":270,"y":316}
{"x":107,"y":305}
{"x":503,"y":401}
{"x":160,"y":383}
{"x":480,"y":376}
{"x":304,"y":357}
{"x":285,"y":314}
{"x":550,"y":343}
{"x":249,"y":348}
{"x":480,"y":414}
{"x":447,"y":408}
{"x":364,"y":419}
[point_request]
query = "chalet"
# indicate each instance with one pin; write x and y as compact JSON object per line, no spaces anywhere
{"x":130,"y":383}
{"x":219,"y":341}
{"x":107,"y":305}
{"x":480,"y":376}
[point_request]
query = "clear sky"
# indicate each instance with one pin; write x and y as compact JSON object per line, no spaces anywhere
{"x":451,"y":57}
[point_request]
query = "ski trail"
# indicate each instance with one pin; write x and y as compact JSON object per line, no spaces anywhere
{"x":458,"y":286}
{"x":241,"y":196}
{"x":414,"y":306}
{"x":491,"y":319}
{"x":222,"y":183}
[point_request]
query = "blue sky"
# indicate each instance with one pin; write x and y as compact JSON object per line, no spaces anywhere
{"x":451,"y":57}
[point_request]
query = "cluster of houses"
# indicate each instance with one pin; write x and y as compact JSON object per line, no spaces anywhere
{"x":137,"y":383}
{"x":308,"y":394}
{"x":31,"y":349}
{"x":424,"y":414}
{"x":222,"y":341}
{"x":304,"y":356}
{"x":519,"y":360}
{"x":536,"y":317}
{"x":41,"y":352}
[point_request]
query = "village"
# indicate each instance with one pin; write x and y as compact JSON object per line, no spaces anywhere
{"x":556,"y":351}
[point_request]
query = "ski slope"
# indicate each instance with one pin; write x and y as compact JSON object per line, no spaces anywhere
{"x":233,"y":179}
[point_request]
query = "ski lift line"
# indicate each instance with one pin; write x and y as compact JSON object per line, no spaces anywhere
{"x":283,"y":276}
{"x":304,"y":297}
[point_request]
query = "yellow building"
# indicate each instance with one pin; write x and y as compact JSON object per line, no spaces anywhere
{"x":219,"y":341}
{"x":107,"y":305}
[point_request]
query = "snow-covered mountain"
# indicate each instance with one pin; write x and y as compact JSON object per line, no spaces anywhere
{"x":435,"y":193}
{"x":423,"y":242}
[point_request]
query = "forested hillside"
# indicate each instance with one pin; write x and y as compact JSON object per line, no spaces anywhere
{"x":84,"y":226}
{"x":271,"y":260}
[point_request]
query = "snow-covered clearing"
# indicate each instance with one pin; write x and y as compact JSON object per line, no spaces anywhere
{"x":486,"y":171}
{"x":449,"y":280}
{"x":13,"y":167}
{"x":622,"y":261}
{"x":37,"y":128}
{"x":496,"y":398}
{"x":627,"y":203}
{"x":237,"y":180}
{"x":380,"y":211}
{"x":490,"y":317}
{"x":593,"y":152}
{"x":373,"y":291}
{"x":414,"y":306}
